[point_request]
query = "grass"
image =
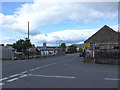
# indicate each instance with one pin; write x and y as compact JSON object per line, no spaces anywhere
{"x":5,"y":59}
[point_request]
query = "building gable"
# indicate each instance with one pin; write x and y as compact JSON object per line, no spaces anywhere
{"x":104,"y":35}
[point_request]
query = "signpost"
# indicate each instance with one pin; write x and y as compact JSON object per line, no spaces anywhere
{"x":88,"y":44}
{"x":89,"y":50}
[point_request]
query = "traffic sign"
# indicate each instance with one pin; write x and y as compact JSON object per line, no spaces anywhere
{"x":88,"y":44}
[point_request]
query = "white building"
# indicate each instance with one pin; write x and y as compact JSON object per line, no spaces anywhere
{"x":6,"y":52}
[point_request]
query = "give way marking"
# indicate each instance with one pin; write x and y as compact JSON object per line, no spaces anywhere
{"x":52,"y":76}
{"x":115,"y":79}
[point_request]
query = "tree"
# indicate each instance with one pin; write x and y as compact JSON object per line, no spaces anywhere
{"x":63,"y":45}
{"x":72,"y":49}
{"x":21,"y":45}
{"x":1,"y":44}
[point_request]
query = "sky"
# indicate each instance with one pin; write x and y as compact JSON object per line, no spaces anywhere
{"x":55,"y":22}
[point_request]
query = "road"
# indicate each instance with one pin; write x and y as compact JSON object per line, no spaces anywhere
{"x":58,"y":72}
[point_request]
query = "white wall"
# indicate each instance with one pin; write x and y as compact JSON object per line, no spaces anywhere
{"x":6,"y":52}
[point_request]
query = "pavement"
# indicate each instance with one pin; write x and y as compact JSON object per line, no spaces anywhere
{"x":66,"y":71}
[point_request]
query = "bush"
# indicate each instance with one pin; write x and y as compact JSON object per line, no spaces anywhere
{"x":72,"y":49}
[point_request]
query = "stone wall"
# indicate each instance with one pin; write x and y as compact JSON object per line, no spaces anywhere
{"x":107,"y":56}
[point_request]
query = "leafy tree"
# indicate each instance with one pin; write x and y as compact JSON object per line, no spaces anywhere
{"x":1,"y":44}
{"x":22,"y":45}
{"x":72,"y":49}
{"x":63,"y":45}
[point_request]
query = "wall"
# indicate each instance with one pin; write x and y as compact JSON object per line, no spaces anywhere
{"x":6,"y":52}
{"x":107,"y":54}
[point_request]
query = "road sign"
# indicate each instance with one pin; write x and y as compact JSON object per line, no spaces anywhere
{"x":91,"y":44}
{"x":88,"y":44}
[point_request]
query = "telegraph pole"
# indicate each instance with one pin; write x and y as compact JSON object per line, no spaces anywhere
{"x":28,"y":39}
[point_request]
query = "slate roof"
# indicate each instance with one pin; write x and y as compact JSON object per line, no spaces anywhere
{"x":104,"y":35}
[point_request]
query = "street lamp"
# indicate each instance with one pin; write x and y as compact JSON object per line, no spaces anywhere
{"x":28,"y":39}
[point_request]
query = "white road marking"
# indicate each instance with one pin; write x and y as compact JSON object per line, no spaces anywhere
{"x":3,"y":79}
{"x":32,"y":70}
{"x":24,"y":72}
{"x":53,"y":63}
{"x":37,"y":68}
{"x":42,"y":67}
{"x":14,"y":75}
{"x":31,"y":75}
{"x":23,"y":76}
{"x":12,"y":79}
{"x":1,"y":84}
{"x":53,"y":76}
{"x":111,"y":79}
{"x":47,"y":65}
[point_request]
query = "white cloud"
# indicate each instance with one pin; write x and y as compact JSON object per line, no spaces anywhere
{"x":42,"y":13}
{"x":61,"y":0}
{"x":67,"y":36}
{"x":115,"y":27}
{"x":7,"y":40}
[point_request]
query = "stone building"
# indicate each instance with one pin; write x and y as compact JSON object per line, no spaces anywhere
{"x":50,"y":50}
{"x":105,"y":46}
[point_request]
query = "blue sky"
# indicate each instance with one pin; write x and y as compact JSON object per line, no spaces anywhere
{"x":8,"y":8}
{"x":72,"y":25}
{"x":55,"y":19}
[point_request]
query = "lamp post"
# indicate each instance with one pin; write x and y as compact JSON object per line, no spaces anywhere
{"x":45,"y":48}
{"x":28,"y":39}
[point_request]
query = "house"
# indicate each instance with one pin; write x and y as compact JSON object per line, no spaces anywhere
{"x":50,"y":50}
{"x":103,"y":46}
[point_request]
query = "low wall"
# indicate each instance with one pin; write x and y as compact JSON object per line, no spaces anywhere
{"x":38,"y":55}
{"x":107,"y":57}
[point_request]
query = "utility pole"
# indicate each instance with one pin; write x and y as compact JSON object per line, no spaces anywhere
{"x":28,"y":39}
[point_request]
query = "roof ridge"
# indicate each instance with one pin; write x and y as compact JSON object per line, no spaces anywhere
{"x":104,"y":28}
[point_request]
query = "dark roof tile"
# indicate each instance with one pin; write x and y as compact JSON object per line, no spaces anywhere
{"x":104,"y":35}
